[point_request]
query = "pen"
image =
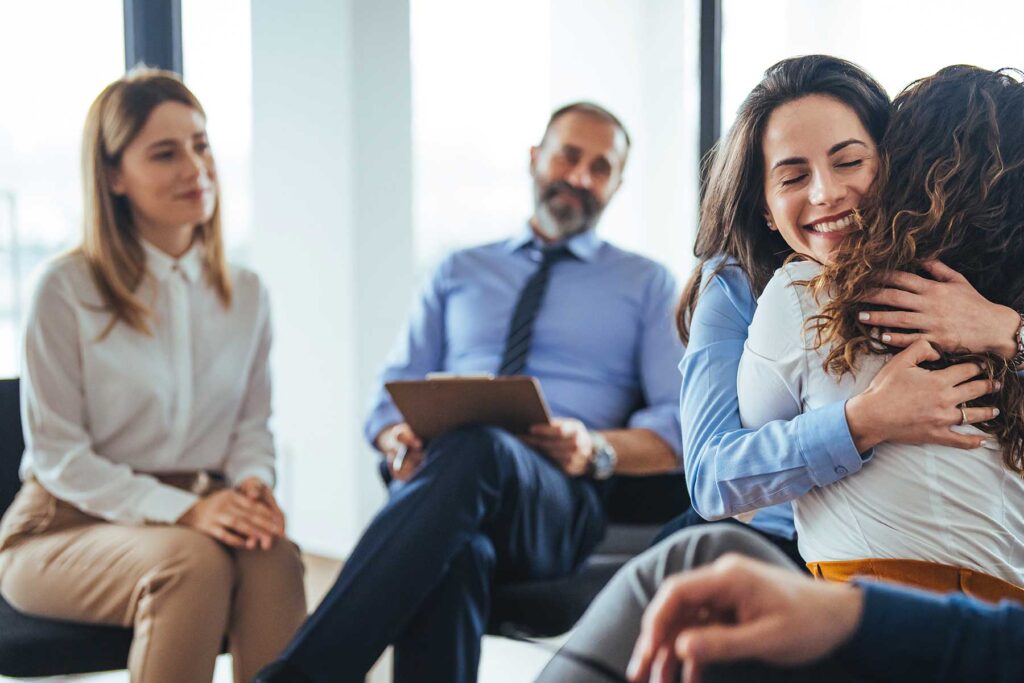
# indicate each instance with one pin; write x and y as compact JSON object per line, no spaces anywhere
{"x":399,"y":460}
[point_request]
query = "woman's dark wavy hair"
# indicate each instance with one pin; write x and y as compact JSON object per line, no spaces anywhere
{"x":732,"y":220}
{"x":950,"y":186}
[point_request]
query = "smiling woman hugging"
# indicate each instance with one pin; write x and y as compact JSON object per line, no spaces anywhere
{"x":949,"y":187}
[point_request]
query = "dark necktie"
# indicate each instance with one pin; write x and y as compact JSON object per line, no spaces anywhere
{"x":520,"y":331}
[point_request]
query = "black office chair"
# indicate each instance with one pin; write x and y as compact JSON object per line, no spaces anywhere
{"x":30,"y":646}
{"x":637,"y":508}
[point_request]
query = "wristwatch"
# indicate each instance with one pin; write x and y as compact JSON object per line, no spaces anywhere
{"x":1018,"y":360}
{"x":603,"y":459}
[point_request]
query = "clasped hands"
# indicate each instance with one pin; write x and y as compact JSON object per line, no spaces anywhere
{"x":245,"y":517}
{"x":566,"y":441}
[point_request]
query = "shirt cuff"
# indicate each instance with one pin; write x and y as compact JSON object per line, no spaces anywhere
{"x":383,"y":416}
{"x":166,"y":504}
{"x":261,"y":472}
{"x":827,"y":445}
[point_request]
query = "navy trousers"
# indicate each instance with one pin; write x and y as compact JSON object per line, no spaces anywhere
{"x":483,"y":508}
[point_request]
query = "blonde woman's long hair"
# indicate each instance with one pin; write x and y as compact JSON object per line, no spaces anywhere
{"x":110,"y":240}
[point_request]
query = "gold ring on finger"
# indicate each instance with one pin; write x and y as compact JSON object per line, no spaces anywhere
{"x":963,"y":415}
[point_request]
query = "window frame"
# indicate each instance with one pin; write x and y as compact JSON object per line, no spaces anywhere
{"x":152,"y":34}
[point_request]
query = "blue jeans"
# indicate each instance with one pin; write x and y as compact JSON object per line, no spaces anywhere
{"x":484,"y":508}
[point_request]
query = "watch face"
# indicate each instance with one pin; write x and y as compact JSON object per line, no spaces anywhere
{"x":603,"y":465}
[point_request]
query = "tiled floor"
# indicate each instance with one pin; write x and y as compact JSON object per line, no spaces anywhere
{"x":503,"y":661}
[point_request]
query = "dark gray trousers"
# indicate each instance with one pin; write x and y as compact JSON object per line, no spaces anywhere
{"x":608,"y":630}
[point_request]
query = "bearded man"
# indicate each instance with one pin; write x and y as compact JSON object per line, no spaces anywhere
{"x":479,"y":506}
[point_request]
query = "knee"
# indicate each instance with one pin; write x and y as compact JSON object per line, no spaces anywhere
{"x":280,"y":565}
{"x":698,"y":546}
{"x":192,"y":562}
{"x":476,"y":450}
{"x":475,"y":559}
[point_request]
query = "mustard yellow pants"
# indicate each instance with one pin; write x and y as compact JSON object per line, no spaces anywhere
{"x":941,"y":578}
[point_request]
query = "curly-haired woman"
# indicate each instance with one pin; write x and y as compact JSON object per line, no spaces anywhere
{"x":950,"y":183}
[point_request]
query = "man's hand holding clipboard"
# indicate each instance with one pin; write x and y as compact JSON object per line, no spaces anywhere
{"x":437,"y":405}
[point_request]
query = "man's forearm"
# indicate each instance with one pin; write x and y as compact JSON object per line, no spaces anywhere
{"x":641,"y":451}
{"x":908,"y":634}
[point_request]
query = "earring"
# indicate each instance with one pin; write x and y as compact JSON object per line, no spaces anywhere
{"x":768,"y":222}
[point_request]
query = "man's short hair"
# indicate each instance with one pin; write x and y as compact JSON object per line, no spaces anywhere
{"x":590,"y":109}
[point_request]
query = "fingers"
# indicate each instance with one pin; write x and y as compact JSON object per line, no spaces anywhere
{"x":969,"y":391}
{"x":723,"y":642}
{"x":691,"y":671}
{"x":275,"y":509}
{"x":251,"y":534}
{"x":252,"y":488}
{"x":257,"y":491}
{"x":959,"y":373}
{"x":977,"y":415}
{"x":408,"y":437}
{"x":256,"y":515}
{"x":225,"y":535}
{"x":901,"y":340}
{"x":918,"y":352}
{"x":665,"y":668}
{"x":901,"y":320}
{"x":411,"y":465}
{"x":897,"y":298}
{"x":675,"y":606}
{"x":943,"y":273}
{"x":906,"y":281}
{"x":956,"y":440}
{"x":551,"y":431}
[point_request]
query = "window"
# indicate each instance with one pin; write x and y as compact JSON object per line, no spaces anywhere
{"x":896,"y":42}
{"x":486,"y":76}
{"x":66,"y":52}
{"x":217,"y":54}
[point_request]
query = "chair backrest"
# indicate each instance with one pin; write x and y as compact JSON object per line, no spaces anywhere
{"x":12,"y":443}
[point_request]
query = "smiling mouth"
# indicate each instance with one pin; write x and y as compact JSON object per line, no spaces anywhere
{"x":843,"y":223}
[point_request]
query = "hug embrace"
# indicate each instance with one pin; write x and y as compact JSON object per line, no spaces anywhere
{"x":848,"y":404}
{"x":835,"y":231}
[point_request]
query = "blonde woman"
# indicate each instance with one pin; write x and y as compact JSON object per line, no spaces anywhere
{"x":148,"y":467}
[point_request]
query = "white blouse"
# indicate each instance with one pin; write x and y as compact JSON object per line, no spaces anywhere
{"x":99,"y":414}
{"x":933,"y":503}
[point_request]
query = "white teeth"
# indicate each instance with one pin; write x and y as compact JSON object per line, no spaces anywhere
{"x":833,"y":226}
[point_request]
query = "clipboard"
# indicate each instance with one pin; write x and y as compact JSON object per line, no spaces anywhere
{"x":435,"y":406}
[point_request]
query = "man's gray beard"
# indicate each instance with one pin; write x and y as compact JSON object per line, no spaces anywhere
{"x":557,"y":229}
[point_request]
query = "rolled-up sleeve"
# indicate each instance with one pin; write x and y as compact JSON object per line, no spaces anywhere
{"x":660,"y":352}
{"x":730,"y":469}
{"x":58,"y":445}
{"x":420,"y":349}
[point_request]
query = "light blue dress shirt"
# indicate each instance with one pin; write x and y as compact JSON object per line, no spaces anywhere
{"x":603,"y":341}
{"x":731,"y":470}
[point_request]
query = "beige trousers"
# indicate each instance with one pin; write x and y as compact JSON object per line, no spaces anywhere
{"x":182,"y":591}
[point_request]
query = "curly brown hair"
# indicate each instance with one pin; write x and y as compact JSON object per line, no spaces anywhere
{"x":950,"y":186}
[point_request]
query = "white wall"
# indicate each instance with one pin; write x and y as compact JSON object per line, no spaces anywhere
{"x":331,"y":238}
{"x":333,"y":185}
{"x":639,"y":59}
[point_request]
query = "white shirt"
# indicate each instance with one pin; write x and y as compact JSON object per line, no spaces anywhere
{"x":933,"y":503}
{"x":195,"y":394}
